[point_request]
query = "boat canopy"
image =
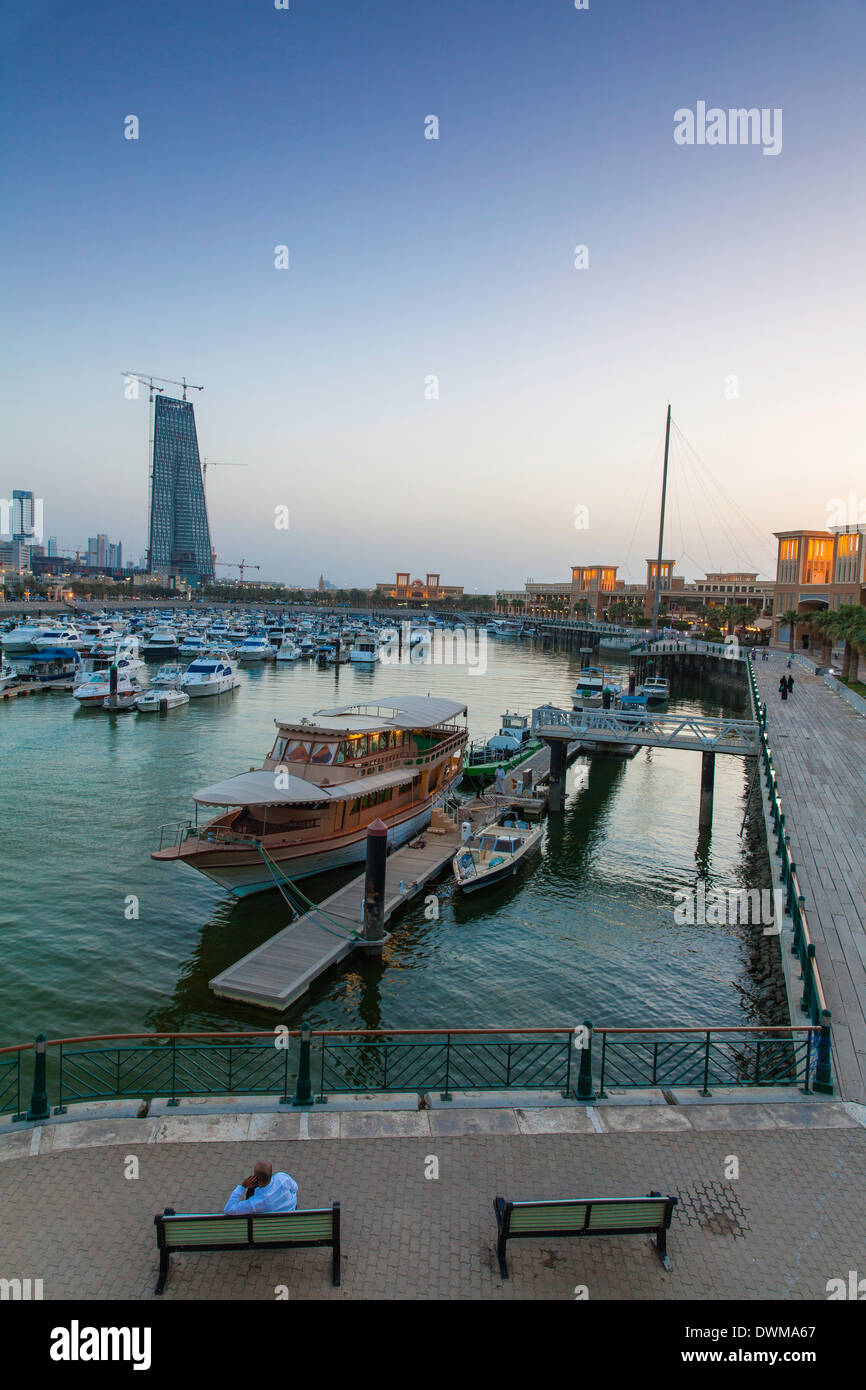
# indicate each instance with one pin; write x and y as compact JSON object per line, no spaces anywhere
{"x":264,"y":788}
{"x":398,"y":712}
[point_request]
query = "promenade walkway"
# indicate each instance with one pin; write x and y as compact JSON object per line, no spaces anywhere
{"x":792,"y":1220}
{"x":818,"y":744}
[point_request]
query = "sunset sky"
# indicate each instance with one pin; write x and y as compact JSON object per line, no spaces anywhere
{"x":722,"y":280}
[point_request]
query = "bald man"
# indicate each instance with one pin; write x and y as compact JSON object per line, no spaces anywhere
{"x":263,"y":1191}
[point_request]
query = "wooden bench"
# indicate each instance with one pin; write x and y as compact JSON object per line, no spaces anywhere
{"x":585,"y":1216}
{"x":268,"y":1231}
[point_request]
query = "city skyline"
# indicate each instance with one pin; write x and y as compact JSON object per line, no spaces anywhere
{"x":705,"y":279}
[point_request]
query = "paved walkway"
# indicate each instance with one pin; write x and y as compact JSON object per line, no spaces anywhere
{"x":818,"y":744}
{"x":77,"y":1217}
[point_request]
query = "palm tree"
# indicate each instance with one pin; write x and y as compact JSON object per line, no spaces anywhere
{"x":824,"y":625}
{"x":849,"y":626}
{"x":792,"y":618}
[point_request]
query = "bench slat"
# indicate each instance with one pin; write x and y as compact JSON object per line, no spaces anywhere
{"x":632,"y":1214}
{"x":222,"y":1230}
{"x":552,"y":1218}
{"x":291,"y":1226}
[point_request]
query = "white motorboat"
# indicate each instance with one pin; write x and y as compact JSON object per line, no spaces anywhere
{"x":307,"y":647}
{"x":256,"y":648}
{"x":168,"y":675}
{"x":590,"y":689}
{"x":211,"y":674}
{"x":8,"y":674}
{"x":162,"y":641}
{"x":365,"y":650}
{"x":159,"y":699}
{"x":192,"y":645}
{"x":124,"y":699}
{"x":64,"y":636}
{"x":23,"y":637}
{"x":495,"y":853}
{"x":657,"y":690}
{"x":288,"y":650}
{"x":96,"y":687}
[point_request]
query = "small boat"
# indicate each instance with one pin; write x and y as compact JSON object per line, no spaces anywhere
{"x":512,"y":745}
{"x":656,"y":689}
{"x":632,"y":702}
{"x":365,"y":650}
{"x":591,"y":687}
{"x":8,"y":674}
{"x":192,"y":645}
{"x":23,"y":638}
{"x":495,"y":853}
{"x":288,"y":649}
{"x":161,"y":642}
{"x":66,"y":636}
{"x":96,"y":687}
{"x":124,"y":699}
{"x":326,"y":654}
{"x":159,"y":699}
{"x":51,"y":665}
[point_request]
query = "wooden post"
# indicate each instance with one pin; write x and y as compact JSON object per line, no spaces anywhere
{"x":708,"y":772}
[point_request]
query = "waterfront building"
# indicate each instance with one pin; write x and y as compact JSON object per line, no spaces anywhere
{"x":179,"y":535}
{"x":408,"y":590}
{"x":818,"y":570}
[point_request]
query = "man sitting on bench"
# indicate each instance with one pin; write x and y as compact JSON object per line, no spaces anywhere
{"x":263,"y":1191}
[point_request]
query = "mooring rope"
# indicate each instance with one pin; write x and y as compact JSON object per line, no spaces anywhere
{"x":274,"y":870}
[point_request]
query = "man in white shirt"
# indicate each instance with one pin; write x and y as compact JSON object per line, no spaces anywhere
{"x":263,"y":1191}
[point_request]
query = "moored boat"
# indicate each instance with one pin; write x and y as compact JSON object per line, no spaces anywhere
{"x":511,"y":746}
{"x":495,"y":853}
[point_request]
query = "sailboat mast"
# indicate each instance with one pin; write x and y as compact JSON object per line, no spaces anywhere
{"x":658,"y":587}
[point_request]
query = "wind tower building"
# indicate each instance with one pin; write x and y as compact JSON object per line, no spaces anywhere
{"x":179,"y":542}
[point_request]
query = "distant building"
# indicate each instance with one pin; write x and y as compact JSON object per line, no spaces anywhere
{"x":23,"y":515}
{"x":818,"y":570}
{"x":52,"y":546}
{"x":179,"y":535}
{"x":408,"y":590}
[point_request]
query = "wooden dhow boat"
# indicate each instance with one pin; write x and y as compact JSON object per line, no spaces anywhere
{"x":325,"y":780}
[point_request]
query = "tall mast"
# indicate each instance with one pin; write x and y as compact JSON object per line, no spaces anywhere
{"x":658,"y":588}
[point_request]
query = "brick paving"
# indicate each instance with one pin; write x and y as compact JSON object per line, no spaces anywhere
{"x":818,"y":744}
{"x":794,"y":1218}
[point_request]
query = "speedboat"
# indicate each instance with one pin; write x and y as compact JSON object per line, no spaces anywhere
{"x":326,"y":654}
{"x":512,"y":745}
{"x":591,"y":687}
{"x":161,"y":642}
{"x":307,"y":647}
{"x":23,"y":637}
{"x":656,"y":689}
{"x":167,"y":676}
{"x":326,"y":779}
{"x":256,"y":648}
{"x":211,"y":674}
{"x":159,"y":699}
{"x":124,"y":697}
{"x":288,"y":649}
{"x":192,"y":645}
{"x":495,"y":853}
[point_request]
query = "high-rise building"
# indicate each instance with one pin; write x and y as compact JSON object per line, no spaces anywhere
{"x":179,"y":534}
{"x":52,"y":546}
{"x":22,"y":515}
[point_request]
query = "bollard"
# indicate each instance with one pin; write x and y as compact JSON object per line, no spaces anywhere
{"x":585,"y":1092}
{"x":823,"y":1072}
{"x":374,"y":934}
{"x":39,"y":1098}
{"x":632,"y":682}
{"x":304,"y":1091}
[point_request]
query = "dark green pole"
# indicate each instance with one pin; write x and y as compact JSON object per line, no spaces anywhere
{"x":585,"y":1092}
{"x":39,"y":1099}
{"x":823,"y":1071}
{"x":304,"y":1092}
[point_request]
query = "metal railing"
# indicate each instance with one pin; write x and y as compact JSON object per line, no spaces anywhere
{"x":813,"y":1001}
{"x":731,"y":651}
{"x":580,"y":1062}
{"x":695,"y":732}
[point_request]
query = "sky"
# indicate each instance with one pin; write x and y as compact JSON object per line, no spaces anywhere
{"x":721,"y":279}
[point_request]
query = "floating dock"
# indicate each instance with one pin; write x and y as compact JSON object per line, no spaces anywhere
{"x":279,"y":971}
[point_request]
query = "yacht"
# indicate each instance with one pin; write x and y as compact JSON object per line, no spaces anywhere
{"x":210,"y":674}
{"x":505,"y":627}
{"x":96,"y":687}
{"x":161,"y":642}
{"x":256,"y":648}
{"x":8,"y":674}
{"x":323,"y":783}
{"x":192,"y":645}
{"x":167,"y":676}
{"x":66,"y":635}
{"x":288,"y":649}
{"x":365,"y":650}
{"x":23,"y":638}
{"x":52,"y":666}
{"x":307,"y":647}
{"x":495,"y":853}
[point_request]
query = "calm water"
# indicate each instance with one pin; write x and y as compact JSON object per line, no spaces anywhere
{"x":589,"y":932}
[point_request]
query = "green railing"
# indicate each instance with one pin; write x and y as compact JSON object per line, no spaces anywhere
{"x":812,"y":1000}
{"x":301,"y":1067}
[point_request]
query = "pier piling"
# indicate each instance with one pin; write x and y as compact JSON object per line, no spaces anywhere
{"x":556,"y":777}
{"x":708,"y":774}
{"x":375,"y":936}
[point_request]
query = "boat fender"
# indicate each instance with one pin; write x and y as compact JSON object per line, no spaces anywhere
{"x":465,"y":831}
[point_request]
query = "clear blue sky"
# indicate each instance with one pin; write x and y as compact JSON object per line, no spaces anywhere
{"x":412,"y":257}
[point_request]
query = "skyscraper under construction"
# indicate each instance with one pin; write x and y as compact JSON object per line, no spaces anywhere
{"x":179,"y":542}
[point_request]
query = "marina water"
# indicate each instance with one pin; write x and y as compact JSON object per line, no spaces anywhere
{"x":588,"y":932}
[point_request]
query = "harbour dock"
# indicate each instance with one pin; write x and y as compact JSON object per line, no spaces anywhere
{"x":279,"y":971}
{"x":818,"y":742}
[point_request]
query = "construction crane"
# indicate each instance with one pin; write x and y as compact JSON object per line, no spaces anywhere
{"x":216,"y":463}
{"x":244,"y":565}
{"x":169,"y":381}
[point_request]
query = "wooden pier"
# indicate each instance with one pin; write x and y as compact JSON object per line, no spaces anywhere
{"x":279,"y":971}
{"x":12,"y":691}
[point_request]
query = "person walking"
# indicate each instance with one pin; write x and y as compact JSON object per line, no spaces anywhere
{"x":790,"y":684}
{"x":783,"y":687}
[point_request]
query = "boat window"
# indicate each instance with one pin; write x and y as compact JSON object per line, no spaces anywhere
{"x":279,"y":749}
{"x":298,"y":751}
{"x":383,"y":742}
{"x":355,"y":807}
{"x":323,"y":752}
{"x":505,"y":843}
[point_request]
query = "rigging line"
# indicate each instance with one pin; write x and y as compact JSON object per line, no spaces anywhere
{"x":718,"y":515}
{"x":271,"y":866}
{"x":762,"y":537}
{"x":695,"y":509}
